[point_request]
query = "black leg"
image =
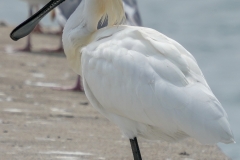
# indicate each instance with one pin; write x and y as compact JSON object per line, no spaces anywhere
{"x":135,"y":149}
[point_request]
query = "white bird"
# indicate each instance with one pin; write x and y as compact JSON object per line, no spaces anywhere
{"x":143,"y":81}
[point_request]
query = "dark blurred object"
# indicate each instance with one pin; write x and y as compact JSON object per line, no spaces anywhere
{"x":132,"y":12}
{"x":3,"y":24}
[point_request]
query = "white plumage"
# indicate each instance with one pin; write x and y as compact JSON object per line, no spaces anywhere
{"x":150,"y":86}
{"x":143,"y":81}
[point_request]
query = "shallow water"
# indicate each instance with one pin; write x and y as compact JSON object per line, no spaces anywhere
{"x":208,"y":29}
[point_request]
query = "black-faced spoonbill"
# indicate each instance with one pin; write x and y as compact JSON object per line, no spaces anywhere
{"x":143,"y":81}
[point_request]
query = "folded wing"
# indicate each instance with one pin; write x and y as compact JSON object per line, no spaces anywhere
{"x":151,"y":80}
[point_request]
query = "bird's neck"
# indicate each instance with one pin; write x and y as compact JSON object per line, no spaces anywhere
{"x":83,"y":23}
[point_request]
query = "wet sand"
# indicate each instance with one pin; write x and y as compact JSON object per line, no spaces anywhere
{"x":39,"y":123}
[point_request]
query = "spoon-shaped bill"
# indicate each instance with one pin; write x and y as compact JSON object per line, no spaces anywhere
{"x":27,"y":26}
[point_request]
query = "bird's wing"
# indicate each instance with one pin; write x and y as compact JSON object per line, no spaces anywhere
{"x":144,"y":76}
{"x":175,"y":53}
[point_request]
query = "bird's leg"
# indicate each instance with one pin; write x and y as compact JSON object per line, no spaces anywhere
{"x":78,"y":87}
{"x":135,"y":149}
{"x":57,"y":50}
{"x":28,"y":46}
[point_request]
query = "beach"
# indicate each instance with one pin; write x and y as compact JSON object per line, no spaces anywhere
{"x":38,"y":122}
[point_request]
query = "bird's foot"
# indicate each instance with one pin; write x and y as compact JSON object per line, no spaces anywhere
{"x":58,"y":50}
{"x":25,"y":49}
{"x":57,"y":33}
{"x":76,"y":88}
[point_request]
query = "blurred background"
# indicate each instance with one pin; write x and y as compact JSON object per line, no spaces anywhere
{"x":209,"y":29}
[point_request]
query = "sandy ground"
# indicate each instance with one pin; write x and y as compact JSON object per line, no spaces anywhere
{"x":38,"y":123}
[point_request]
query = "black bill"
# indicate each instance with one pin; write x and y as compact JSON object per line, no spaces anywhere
{"x":27,"y":26}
